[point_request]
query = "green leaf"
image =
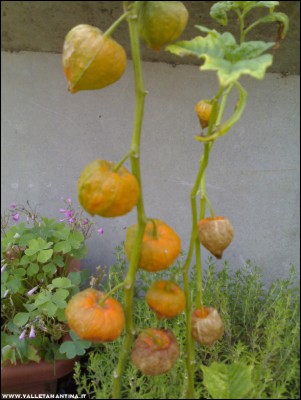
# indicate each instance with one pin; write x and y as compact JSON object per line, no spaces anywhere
{"x":249,"y":50}
{"x":60,"y":315}
{"x":43,"y":244}
{"x":232,"y":381}
{"x":49,"y":308}
{"x":32,"y":354}
{"x":62,"y":247}
{"x":21,"y":319}
{"x":33,"y":269}
{"x":25,"y":239}
{"x":20,"y":271}
{"x":33,"y":248}
{"x":220,"y":9}
{"x":74,"y":348}
{"x":75,"y":277}
{"x":50,"y":268}
{"x":8,"y":352}
{"x":24,"y":260}
{"x":60,"y":283}
{"x":14,"y":284}
{"x":4,"y":276}
{"x":42,"y":298}
{"x":228,"y":72}
{"x":59,"y":297}
{"x":224,"y":55}
{"x":76,"y":239}
{"x":63,"y":233}
{"x":58,"y":260}
{"x":44,"y":256}
{"x":30,"y":307}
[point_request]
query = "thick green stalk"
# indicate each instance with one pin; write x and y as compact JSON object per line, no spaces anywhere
{"x":198,"y":263}
{"x":194,"y":244}
{"x":135,"y":164}
{"x":190,"y":393}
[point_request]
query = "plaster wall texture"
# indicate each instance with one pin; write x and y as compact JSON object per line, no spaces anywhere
{"x":253,"y":178}
{"x":43,"y":25}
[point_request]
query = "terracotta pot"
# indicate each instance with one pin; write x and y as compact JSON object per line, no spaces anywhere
{"x":34,"y":378}
{"x":41,"y":377}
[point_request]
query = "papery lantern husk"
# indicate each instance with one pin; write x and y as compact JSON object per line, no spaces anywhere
{"x":160,"y":247}
{"x":166,"y":299}
{"x":105,"y":192}
{"x":155,"y":351}
{"x":92,"y":321}
{"x":91,"y":60}
{"x":215,"y":234}
{"x":206,"y":326}
{"x":203,"y":109}
{"x":161,"y":22}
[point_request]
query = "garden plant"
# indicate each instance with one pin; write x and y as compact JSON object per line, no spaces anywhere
{"x":93,"y":60}
{"x":38,"y":277}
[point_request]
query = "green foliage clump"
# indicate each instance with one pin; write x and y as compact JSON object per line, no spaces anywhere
{"x":261,"y":333}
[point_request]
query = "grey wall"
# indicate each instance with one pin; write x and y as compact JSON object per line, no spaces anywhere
{"x":42,"y":26}
{"x":49,"y":135}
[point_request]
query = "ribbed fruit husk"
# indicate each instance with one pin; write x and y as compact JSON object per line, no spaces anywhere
{"x":91,"y":60}
{"x":215,"y":234}
{"x":153,"y":358}
{"x":105,"y":192}
{"x":208,"y":329}
{"x":161,"y":22}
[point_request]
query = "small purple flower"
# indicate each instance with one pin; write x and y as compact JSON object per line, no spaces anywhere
{"x":69,"y":200}
{"x":32,"y":333}
{"x":69,"y":213}
{"x":84,"y":221}
{"x":16,"y":217}
{"x":3,"y":268}
{"x":31,"y":291}
{"x":62,"y":210}
{"x":13,"y":205}
{"x":22,"y":336}
{"x":100,"y":231}
{"x":72,"y":220}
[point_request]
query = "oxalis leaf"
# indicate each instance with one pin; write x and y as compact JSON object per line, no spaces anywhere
{"x":224,"y":381}
{"x":76,"y":347}
{"x":221,"y":53}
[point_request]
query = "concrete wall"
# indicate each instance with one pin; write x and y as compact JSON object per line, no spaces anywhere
{"x":49,"y":135}
{"x":42,"y":26}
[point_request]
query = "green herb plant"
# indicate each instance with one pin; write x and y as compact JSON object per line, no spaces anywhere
{"x":262,"y":338}
{"x":86,"y":61}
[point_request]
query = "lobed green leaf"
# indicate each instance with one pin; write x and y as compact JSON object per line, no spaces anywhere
{"x":221,"y":53}
{"x":232,"y":381}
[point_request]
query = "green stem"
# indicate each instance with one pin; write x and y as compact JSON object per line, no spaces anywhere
{"x":222,"y":129}
{"x":135,"y":164}
{"x":115,"y":24}
{"x":194,"y":243}
{"x":209,"y":206}
{"x":103,"y":300}
{"x":198,"y":264}
{"x":241,"y":26}
{"x":119,"y":164}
